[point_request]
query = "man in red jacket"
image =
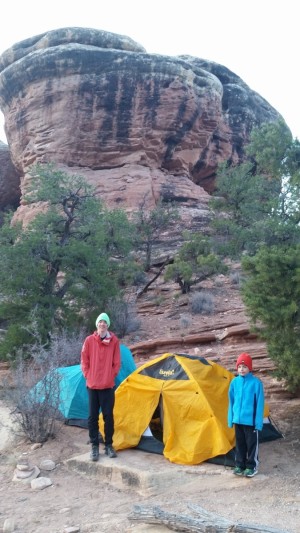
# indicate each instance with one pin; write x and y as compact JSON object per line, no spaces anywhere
{"x":100,"y":363}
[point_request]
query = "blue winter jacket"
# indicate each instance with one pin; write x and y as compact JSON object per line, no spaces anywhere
{"x":246,"y":401}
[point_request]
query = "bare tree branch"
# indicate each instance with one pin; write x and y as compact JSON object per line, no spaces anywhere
{"x":142,"y":291}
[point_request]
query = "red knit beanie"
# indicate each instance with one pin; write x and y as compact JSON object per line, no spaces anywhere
{"x":246,"y":359}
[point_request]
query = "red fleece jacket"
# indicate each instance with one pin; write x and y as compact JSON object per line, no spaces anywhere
{"x":100,"y":360}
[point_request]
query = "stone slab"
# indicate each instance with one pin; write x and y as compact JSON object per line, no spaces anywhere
{"x":143,"y":472}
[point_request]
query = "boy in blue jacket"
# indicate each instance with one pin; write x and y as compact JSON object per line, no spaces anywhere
{"x":246,"y":413}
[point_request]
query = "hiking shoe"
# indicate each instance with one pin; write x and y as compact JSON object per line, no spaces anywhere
{"x":110,"y":451}
{"x":250,"y":472}
{"x":238,"y":471}
{"x":94,"y":455}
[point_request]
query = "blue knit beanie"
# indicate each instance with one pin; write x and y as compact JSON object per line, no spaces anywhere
{"x":105,"y":317}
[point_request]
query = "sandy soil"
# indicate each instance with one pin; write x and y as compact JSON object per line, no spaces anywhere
{"x":272,"y":498}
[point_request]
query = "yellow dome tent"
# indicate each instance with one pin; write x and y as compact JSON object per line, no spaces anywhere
{"x":193,"y":393}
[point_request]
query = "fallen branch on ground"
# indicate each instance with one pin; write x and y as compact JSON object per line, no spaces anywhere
{"x":206,"y":523}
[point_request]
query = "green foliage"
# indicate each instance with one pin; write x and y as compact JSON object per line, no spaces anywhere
{"x":65,"y":264}
{"x":293,"y":161}
{"x":257,"y":217}
{"x":180,"y":272}
{"x":243,"y":206}
{"x":194,"y":262}
{"x":272,"y":296}
{"x":269,"y":147}
{"x":275,"y":152}
{"x":149,"y":226}
{"x":258,"y":203}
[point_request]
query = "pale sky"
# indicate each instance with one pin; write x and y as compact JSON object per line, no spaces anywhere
{"x":257,"y":39}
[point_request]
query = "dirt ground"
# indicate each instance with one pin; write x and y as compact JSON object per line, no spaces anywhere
{"x":92,"y":505}
{"x":84,"y":503}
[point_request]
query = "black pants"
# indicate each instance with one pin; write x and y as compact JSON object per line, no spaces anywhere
{"x":101,"y":399}
{"x":246,"y":448}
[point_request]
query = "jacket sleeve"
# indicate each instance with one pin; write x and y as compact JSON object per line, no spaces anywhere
{"x":260,"y":401}
{"x":85,"y":358}
{"x":230,"y":406}
{"x":116,"y":358}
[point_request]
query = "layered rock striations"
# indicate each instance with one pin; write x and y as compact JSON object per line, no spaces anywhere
{"x":137,"y":125}
{"x":141,"y":128}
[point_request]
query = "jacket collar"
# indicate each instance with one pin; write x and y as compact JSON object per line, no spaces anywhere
{"x":106,"y":339}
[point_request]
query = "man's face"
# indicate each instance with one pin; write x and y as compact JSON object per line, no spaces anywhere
{"x":101,"y":328}
{"x":243,"y":370}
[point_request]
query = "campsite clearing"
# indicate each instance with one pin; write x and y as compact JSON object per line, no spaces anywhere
{"x":95,"y":505}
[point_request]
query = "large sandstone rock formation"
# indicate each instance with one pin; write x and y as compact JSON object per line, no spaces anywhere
{"x":136,"y":124}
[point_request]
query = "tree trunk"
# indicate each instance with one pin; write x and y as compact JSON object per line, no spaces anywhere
{"x":206,"y":523}
{"x":154,"y":278}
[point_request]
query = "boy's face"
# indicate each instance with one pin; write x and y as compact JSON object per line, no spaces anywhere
{"x":243,"y":370}
{"x":102,"y":328}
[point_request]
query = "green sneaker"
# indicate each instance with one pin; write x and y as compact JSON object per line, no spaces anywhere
{"x":250,"y":472}
{"x":238,"y":471}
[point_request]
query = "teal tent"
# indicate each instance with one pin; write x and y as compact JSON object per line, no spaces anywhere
{"x":73,"y":397}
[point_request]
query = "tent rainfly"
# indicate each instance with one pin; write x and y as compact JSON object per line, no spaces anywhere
{"x":193,"y":395}
{"x":73,"y":396}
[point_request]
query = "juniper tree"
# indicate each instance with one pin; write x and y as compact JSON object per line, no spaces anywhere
{"x":65,"y":264}
{"x":257,"y":202}
{"x":194,"y":262}
{"x":150,"y":224}
{"x":272,"y":296}
{"x":260,"y":214}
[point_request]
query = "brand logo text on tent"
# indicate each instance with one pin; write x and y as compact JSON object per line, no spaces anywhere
{"x":167,"y":372}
